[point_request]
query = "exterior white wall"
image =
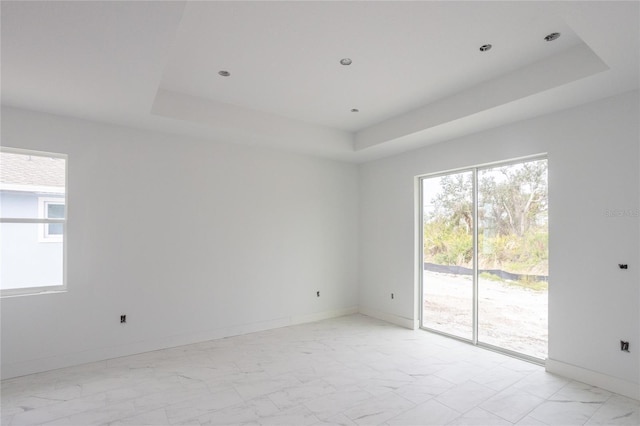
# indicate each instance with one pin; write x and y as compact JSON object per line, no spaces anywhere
{"x":26,"y":258}
{"x":594,"y":193}
{"x":192,"y":240}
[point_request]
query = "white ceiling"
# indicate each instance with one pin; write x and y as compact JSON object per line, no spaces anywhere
{"x":417,"y":76}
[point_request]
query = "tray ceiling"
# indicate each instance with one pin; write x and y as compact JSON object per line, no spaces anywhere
{"x":417,"y":74}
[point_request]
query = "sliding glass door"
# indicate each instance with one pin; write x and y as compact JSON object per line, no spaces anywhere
{"x":448,"y":223}
{"x":485,"y":256}
{"x":513,"y":257}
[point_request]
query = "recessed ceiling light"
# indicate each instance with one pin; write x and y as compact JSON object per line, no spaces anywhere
{"x":346,"y":61}
{"x":552,"y":36}
{"x":485,"y":47}
{"x":355,"y":110}
{"x":224,"y":73}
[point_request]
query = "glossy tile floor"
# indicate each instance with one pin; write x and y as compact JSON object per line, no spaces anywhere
{"x":343,"y":371}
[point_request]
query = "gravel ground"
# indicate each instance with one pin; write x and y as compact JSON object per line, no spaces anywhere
{"x":511,"y":317}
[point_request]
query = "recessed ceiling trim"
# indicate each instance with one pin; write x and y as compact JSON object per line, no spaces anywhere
{"x":558,"y":70}
{"x":247,"y":124}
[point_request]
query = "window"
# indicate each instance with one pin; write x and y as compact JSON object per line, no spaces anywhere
{"x":32,"y":221}
{"x":50,"y":208}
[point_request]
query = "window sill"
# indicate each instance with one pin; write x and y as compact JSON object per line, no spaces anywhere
{"x":32,"y":291}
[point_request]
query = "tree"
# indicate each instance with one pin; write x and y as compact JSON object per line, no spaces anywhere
{"x":453,"y":205}
{"x":514,"y":198}
{"x":512,"y":212}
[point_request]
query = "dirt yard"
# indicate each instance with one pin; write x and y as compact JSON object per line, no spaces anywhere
{"x":509,"y":316}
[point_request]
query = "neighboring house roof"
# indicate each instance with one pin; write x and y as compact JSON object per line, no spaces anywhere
{"x":31,"y":170}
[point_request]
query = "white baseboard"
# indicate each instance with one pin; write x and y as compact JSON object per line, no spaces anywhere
{"x":594,"y":378}
{"x":409,"y":323}
{"x":319,"y":316}
{"x":23,"y":368}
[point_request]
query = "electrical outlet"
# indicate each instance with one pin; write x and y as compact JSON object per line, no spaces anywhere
{"x":318,"y":293}
{"x":123,"y":319}
{"x":624,"y":346}
{"x":392,"y":296}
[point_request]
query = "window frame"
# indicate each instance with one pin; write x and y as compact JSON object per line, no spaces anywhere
{"x":419,"y":252}
{"x":42,"y":221}
{"x":43,"y":228}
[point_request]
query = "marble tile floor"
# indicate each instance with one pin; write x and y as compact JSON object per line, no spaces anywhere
{"x":352,"y":370}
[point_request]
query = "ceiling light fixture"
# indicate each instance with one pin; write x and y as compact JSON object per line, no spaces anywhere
{"x":355,"y":110}
{"x":485,"y":47}
{"x":224,"y":73}
{"x":552,"y":36}
{"x":346,"y":61}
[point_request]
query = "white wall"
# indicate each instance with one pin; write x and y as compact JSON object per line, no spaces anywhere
{"x":191,"y":239}
{"x":195,"y":240}
{"x":593,"y":156}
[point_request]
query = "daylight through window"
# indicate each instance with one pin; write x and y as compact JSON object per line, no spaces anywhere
{"x":32,"y":221}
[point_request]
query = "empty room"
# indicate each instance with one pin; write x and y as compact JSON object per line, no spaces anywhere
{"x":318,"y":212}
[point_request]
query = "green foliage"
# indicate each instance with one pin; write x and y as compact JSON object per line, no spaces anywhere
{"x":512,"y":214}
{"x":530,"y":284}
{"x":447,"y":245}
{"x":490,"y":277}
{"x":527,"y":254}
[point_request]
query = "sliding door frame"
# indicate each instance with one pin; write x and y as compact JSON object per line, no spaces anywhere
{"x":420,"y":255}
